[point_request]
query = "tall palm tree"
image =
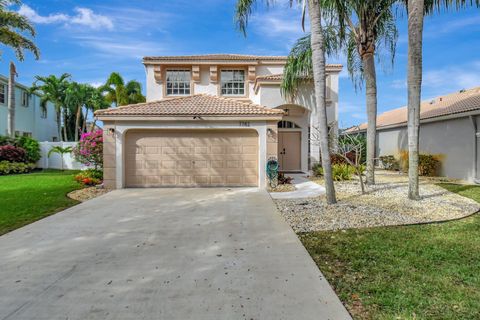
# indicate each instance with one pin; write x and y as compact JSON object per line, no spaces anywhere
{"x":52,"y":88}
{"x":11,"y":100}
{"x":12,"y":27}
{"x":416,"y":11}
{"x":96,"y":102}
{"x":119,"y":93}
{"x":360,"y":28}
{"x":244,"y":9}
{"x":77,"y":96}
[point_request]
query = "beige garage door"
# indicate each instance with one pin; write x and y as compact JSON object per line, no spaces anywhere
{"x":182,"y":158}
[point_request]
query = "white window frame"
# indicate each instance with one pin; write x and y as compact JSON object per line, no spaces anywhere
{"x":180,"y":85}
{"x":233,"y":82}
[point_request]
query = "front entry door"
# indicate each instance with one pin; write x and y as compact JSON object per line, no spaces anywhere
{"x":289,"y":144}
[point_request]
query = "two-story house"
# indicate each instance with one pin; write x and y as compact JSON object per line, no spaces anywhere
{"x":213,"y":120}
{"x":30,"y":118}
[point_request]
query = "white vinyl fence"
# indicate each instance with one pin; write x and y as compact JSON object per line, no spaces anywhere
{"x":55,"y":159}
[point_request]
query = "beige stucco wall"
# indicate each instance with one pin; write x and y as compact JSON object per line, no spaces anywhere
{"x":109,"y":161}
{"x":451,"y":139}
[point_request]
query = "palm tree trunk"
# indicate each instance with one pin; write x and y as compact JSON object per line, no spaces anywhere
{"x":65,"y":136}
{"x":84,"y":125}
{"x":11,"y":101}
{"x":415,"y":35}
{"x":368,"y":61}
{"x":59,"y":121}
{"x":318,"y":62}
{"x":93,"y":125}
{"x":77,"y":122}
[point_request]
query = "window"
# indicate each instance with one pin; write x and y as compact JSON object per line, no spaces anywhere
{"x":27,"y":134}
{"x":178,"y":82}
{"x":287,"y":125}
{"x":43,"y":113}
{"x":233,"y":82}
{"x":54,"y":139}
{"x":3,"y":93}
{"x":25,"y":98}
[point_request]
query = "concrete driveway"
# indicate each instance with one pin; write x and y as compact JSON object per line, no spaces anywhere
{"x":163,"y":254}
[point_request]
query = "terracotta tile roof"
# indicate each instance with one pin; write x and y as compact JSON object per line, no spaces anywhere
{"x":195,"y":105}
{"x":279,"y":76}
{"x":454,"y":103}
{"x":208,"y":57}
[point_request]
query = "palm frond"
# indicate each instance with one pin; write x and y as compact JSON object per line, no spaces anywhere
{"x":18,"y":43}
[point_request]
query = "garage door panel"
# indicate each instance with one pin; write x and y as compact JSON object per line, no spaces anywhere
{"x":191,"y":158}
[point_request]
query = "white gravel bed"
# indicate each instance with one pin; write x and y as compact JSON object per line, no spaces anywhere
{"x":384,"y":204}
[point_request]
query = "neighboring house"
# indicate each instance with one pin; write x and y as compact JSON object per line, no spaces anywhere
{"x":30,"y":119}
{"x":213,"y":120}
{"x":449,"y":128}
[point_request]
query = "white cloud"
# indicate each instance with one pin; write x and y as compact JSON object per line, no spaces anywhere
{"x":451,"y":78}
{"x":33,"y":16}
{"x":83,"y":17}
{"x":125,"y":47}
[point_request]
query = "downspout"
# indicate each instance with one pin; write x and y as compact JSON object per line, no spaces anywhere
{"x":476,"y":135}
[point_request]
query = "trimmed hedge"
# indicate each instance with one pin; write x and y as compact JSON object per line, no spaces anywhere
{"x":12,"y":154}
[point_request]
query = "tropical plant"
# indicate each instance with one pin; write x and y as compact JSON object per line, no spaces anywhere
{"x":89,"y":177}
{"x":97,"y":101}
{"x":12,"y":154}
{"x":89,"y":150}
{"x":7,"y":167}
{"x":317,"y":43}
{"x":119,"y":93}
{"x":416,"y":10}
{"x":12,"y":27}
{"x":359,"y":28}
{"x":31,"y":147}
{"x":61,"y":151}
{"x":52,"y":89}
{"x":77,"y":97}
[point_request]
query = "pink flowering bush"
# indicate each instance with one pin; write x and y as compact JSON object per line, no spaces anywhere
{"x":89,"y":150}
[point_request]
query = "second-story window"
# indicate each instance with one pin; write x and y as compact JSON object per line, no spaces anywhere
{"x":25,"y":98}
{"x":43,"y":113}
{"x":178,"y":82}
{"x":233,"y":82}
{"x":3,"y":93}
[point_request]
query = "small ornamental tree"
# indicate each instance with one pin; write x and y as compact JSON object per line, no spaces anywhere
{"x":89,"y":150}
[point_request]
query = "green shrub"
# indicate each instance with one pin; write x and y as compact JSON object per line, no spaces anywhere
{"x":7,"y":167}
{"x":340,"y":172}
{"x":31,"y":147}
{"x":7,"y":141}
{"x":428,"y":164}
{"x":390,"y":163}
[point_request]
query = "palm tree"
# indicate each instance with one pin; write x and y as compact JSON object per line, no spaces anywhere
{"x":243,"y":11}
{"x":118,"y":93}
{"x":12,"y":25}
{"x":11,"y":100}
{"x":52,"y":89}
{"x":416,"y":11}
{"x":61,"y":151}
{"x":96,"y":102}
{"x":77,"y":96}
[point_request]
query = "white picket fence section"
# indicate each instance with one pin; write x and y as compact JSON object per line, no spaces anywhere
{"x":55,"y":159}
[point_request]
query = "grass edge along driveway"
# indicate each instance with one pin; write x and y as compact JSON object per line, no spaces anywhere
{"x":26,"y":198}
{"x":408,"y":272}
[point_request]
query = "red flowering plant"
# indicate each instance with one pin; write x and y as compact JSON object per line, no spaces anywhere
{"x":89,"y":150}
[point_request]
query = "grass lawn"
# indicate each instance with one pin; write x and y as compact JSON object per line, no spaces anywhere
{"x":26,"y":198}
{"x":410,"y":272}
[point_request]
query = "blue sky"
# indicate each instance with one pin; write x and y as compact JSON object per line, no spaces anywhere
{"x":90,"y":39}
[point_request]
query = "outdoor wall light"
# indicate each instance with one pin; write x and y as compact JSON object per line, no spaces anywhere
{"x":111,"y":131}
{"x":270,"y":132}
